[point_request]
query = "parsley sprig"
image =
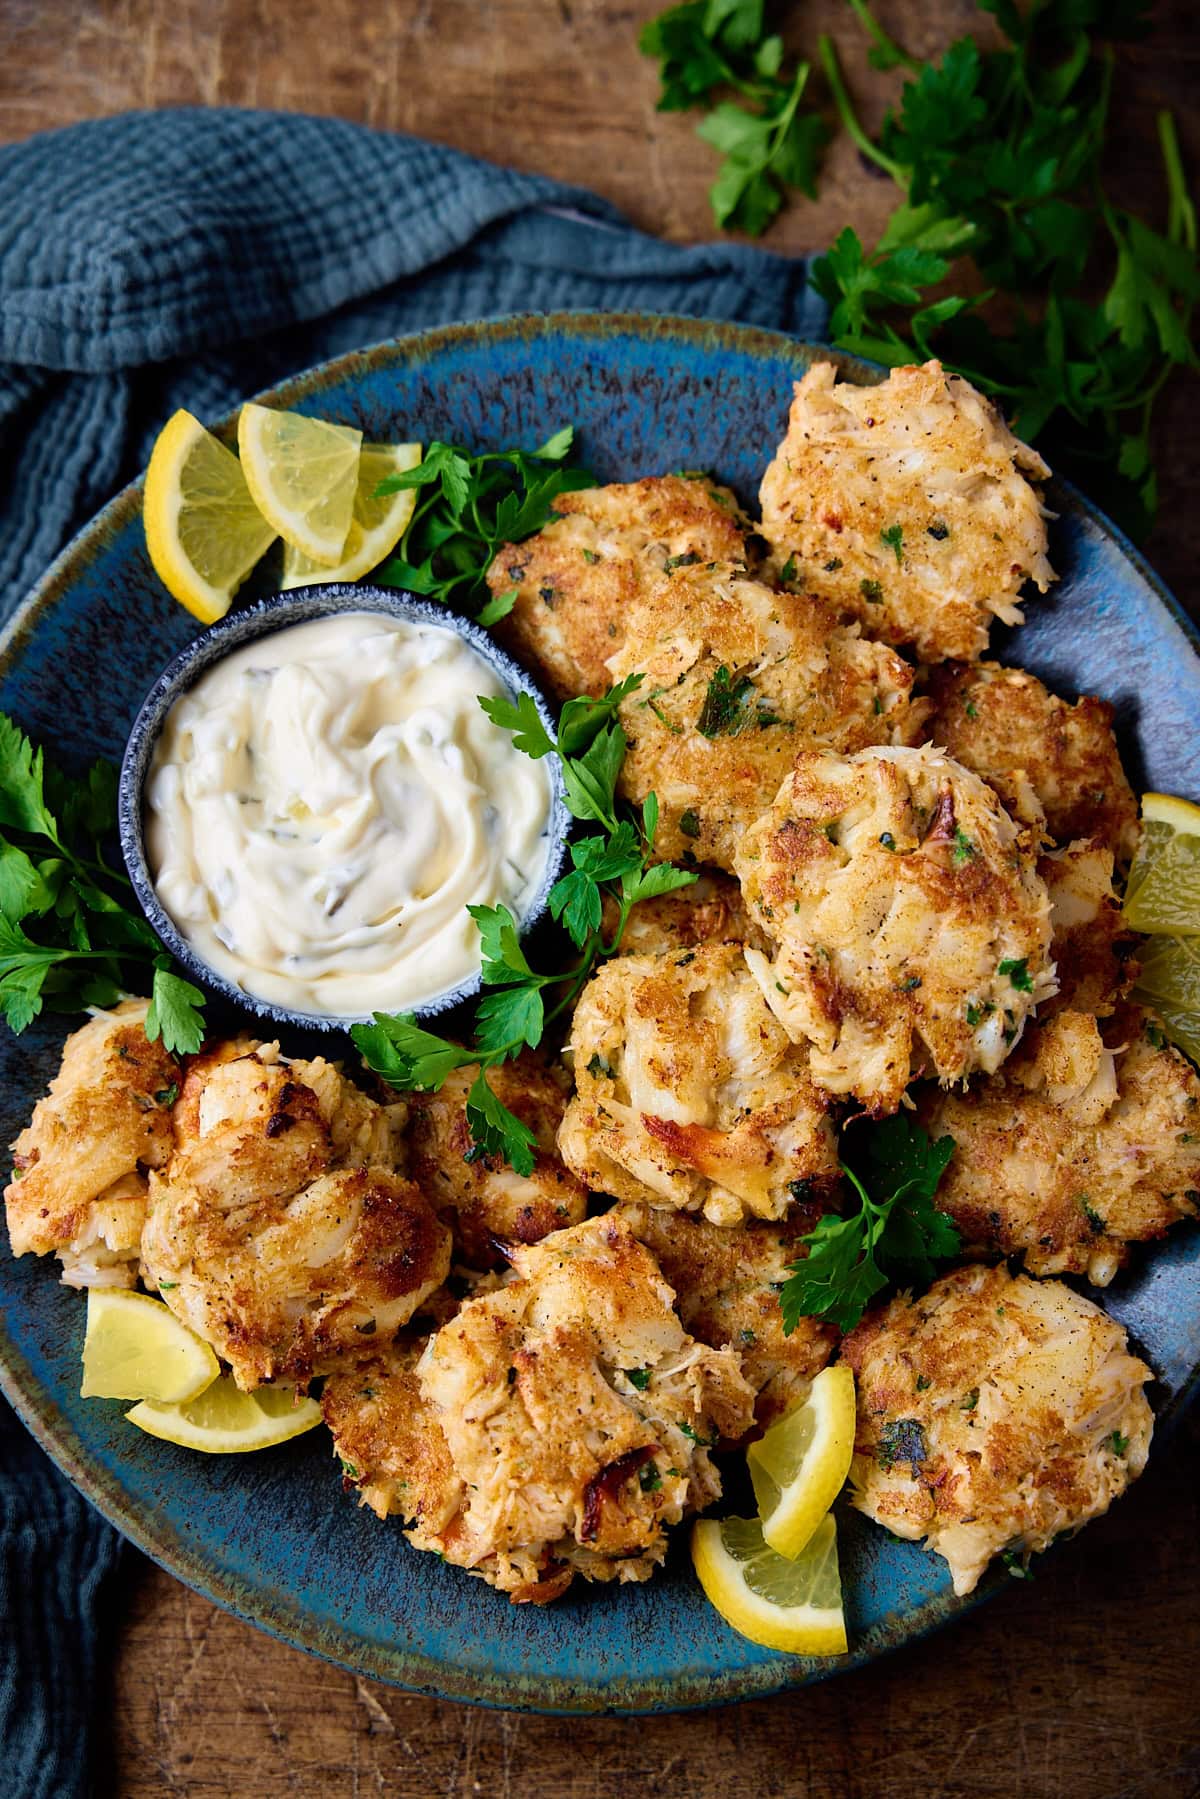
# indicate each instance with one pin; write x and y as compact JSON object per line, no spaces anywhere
{"x":68,"y":934}
{"x":469,"y":506}
{"x":1000,"y":154}
{"x":896,"y":1234}
{"x":520,"y":1004}
{"x":768,"y":141}
{"x":1004,"y":219}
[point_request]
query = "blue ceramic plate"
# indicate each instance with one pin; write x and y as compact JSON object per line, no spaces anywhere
{"x":270,"y":1536}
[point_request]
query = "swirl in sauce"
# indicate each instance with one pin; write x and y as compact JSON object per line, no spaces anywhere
{"x":325,"y":803}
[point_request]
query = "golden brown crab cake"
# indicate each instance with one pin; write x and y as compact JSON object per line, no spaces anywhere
{"x":255,"y":1124}
{"x":1095,"y":955}
{"x":727,"y":1285}
{"x":577,"y":580}
{"x":79,"y":1166}
{"x":690,"y":1094}
{"x":911,"y":924}
{"x":486,"y":1202}
{"x":1052,"y":763}
{"x":994,"y":1413}
{"x":737,"y":678}
{"x":578,"y":1414}
{"x":910,"y":504}
{"x":280,"y":1230}
{"x":1076,"y":1149}
{"x":389,"y":1440}
{"x":711,"y":910}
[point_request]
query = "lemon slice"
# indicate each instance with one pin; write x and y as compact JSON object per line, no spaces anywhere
{"x":1169,"y":982}
{"x":226,"y":1421}
{"x":203,"y":530}
{"x":1163,"y":890}
{"x":376,"y":526}
{"x":780,"y":1603}
{"x":135,"y":1348}
{"x":302,"y":474}
{"x":800,"y":1466}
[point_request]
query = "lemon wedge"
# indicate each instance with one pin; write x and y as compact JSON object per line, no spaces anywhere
{"x":376,"y":525}
{"x":302,"y":474}
{"x":135,"y":1348}
{"x":1163,"y":890}
{"x":203,"y":530}
{"x":800,"y":1465}
{"x":1169,"y":983}
{"x":226,"y":1421}
{"x":794,"y":1605}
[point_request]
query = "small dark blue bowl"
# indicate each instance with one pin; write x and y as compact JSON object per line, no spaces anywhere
{"x":276,"y":613}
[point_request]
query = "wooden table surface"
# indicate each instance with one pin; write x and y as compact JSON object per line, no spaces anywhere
{"x":1078,"y":1685}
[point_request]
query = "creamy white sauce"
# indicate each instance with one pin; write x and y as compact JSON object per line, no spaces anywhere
{"x":324,"y":804}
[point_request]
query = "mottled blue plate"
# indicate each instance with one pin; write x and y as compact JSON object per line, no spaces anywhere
{"x":271,"y":1536}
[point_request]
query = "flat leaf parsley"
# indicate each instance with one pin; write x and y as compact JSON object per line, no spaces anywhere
{"x":467,"y":507}
{"x":519,"y":1004}
{"x":897,"y":1233}
{"x":68,"y":934}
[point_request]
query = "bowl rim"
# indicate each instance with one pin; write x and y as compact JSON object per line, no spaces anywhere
{"x":249,"y":624}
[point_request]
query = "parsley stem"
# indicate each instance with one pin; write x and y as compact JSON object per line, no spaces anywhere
{"x":827,"y":51}
{"x":888,"y":45}
{"x":1181,"y":215}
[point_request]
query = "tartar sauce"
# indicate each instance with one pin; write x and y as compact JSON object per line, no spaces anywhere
{"x":325,"y":803}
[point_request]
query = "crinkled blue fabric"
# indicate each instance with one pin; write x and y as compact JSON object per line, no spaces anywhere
{"x":189,"y":258}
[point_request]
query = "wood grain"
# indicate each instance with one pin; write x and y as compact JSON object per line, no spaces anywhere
{"x":1078,"y":1685}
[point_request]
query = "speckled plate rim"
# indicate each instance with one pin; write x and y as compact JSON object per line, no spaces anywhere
{"x":271,"y":1610}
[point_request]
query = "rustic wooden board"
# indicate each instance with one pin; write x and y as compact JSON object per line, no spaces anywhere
{"x":1078,"y":1685}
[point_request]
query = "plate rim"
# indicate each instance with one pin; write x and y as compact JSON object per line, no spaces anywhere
{"x":407,"y":1668}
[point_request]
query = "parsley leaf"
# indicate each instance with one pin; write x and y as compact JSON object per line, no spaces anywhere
{"x":468,"y":507}
{"x":70,"y":936}
{"x":706,"y":47}
{"x":497,"y":1131}
{"x":176,"y":1011}
{"x":897,"y":1233}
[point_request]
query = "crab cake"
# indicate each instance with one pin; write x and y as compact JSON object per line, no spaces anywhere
{"x":388,"y":1440}
{"x":912,"y":928}
{"x":994,"y":1413}
{"x":486,"y":1203}
{"x":79,"y":1166}
{"x":1075,"y":1149}
{"x":1055,"y":765}
{"x":910,"y":504}
{"x":690,"y":1094}
{"x":709,"y":911}
{"x":737,"y":678}
{"x":578,"y":1415}
{"x":1095,"y":954}
{"x":578,"y":578}
{"x":727,"y":1286}
{"x":279,"y":1230}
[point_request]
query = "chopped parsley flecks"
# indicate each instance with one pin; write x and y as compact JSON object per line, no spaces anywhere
{"x":731,"y":707}
{"x":1017,"y":970}
{"x":893,"y":537}
{"x":1095,"y":1222}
